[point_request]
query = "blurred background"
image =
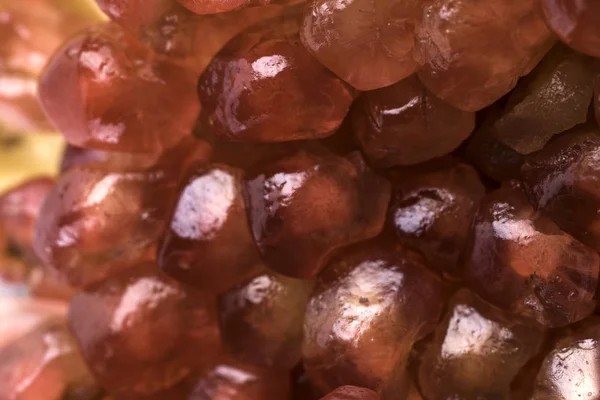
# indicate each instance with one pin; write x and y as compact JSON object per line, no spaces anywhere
{"x":30,"y":31}
{"x":32,"y":306}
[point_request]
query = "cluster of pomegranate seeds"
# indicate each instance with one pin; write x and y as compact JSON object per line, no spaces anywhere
{"x":268,"y":200}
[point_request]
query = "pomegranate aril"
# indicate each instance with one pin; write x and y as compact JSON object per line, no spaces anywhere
{"x":370,"y":305}
{"x":552,"y":99}
{"x":208,"y":243}
{"x":19,"y":210}
{"x":476,"y":352}
{"x":351,"y":393}
{"x":404,"y":124}
{"x":432,"y":208}
{"x":280,"y":93}
{"x":522,"y":262}
{"x":305,"y":205}
{"x":568,"y":371}
{"x":219,"y":6}
{"x":261,"y":319}
{"x":104,"y":90}
{"x":232,"y":380}
{"x":135,"y":15}
{"x":99,"y":218}
{"x":208,"y":34}
{"x":141,"y":332}
{"x":575,"y":22}
{"x":368,"y":44}
{"x":561,"y":182}
{"x":474,"y":52}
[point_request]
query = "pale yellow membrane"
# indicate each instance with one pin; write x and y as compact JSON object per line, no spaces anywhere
{"x":27,"y":156}
{"x":87,"y":8}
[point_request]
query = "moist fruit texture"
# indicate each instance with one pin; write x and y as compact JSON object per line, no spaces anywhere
{"x":264,"y":86}
{"x":301,"y":200}
{"x":520,"y":260}
{"x":482,"y":364}
{"x":83,"y":97}
{"x":405,"y":124}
